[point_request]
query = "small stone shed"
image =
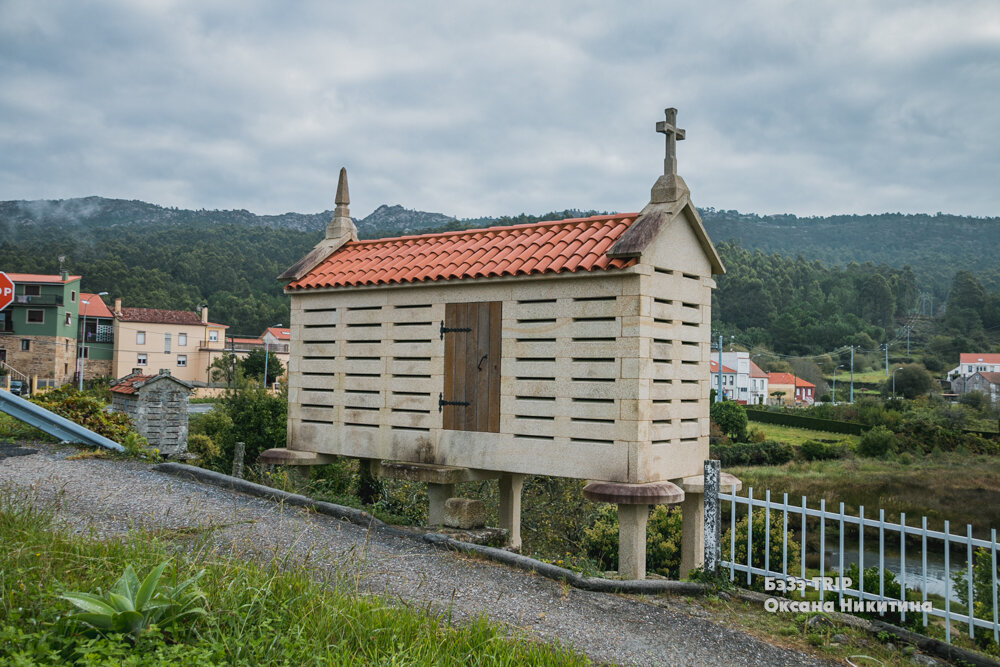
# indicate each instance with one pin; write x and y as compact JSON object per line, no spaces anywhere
{"x":158,"y":405}
{"x":577,"y":348}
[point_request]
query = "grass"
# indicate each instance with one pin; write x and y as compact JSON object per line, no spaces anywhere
{"x":958,"y":487}
{"x":796,"y":436}
{"x":258,"y":614}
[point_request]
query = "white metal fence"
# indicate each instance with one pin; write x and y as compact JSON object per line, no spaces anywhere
{"x":795,"y":518}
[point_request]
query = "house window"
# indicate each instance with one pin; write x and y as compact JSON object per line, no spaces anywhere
{"x":166,"y":343}
{"x":25,"y":345}
{"x":69,"y":319}
{"x":36,"y":316}
{"x":72,"y":295}
{"x":182,"y":360}
{"x":86,"y":352}
{"x":140,"y":337}
{"x":213,"y":336}
{"x":182,"y":339}
{"x":140,"y":359}
{"x":32,"y":290}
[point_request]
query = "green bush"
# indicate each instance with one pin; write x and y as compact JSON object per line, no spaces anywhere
{"x":731,"y":418}
{"x":766,"y":453}
{"x":982,"y":595}
{"x":814,"y":450}
{"x":663,"y":540}
{"x":877,"y":442}
{"x":202,"y":446}
{"x":773,"y":548}
{"x":890,"y":588}
{"x":87,"y":411}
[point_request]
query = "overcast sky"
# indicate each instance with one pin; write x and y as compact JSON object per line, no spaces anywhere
{"x":492,"y":108}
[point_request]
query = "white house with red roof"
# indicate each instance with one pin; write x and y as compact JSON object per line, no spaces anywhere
{"x":758,"y":385}
{"x":970,"y":363}
{"x":575,"y":348}
{"x":729,"y":375}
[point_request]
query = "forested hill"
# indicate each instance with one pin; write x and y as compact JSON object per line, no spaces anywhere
{"x":934,"y":246}
{"x":159,"y":257}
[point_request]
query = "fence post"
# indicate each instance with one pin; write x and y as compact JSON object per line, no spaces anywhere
{"x":238,"y":453}
{"x":713,"y":516}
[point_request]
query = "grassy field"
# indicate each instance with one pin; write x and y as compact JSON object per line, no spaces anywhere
{"x":796,"y":436}
{"x":257,"y":615}
{"x":960,"y":488}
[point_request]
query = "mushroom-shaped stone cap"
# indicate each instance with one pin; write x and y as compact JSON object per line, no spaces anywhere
{"x":696,"y":483}
{"x":653,"y":493}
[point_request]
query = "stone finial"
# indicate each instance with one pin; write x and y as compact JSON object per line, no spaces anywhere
{"x":341,"y":227}
{"x":669,"y":187}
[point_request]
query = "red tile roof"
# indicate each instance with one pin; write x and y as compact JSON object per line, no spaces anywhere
{"x":577,"y":244}
{"x":756,"y":372}
{"x":95,"y":306}
{"x":991,"y":377}
{"x":713,"y":367}
{"x":160,"y":316}
{"x":799,"y":382}
{"x":964,"y":358}
{"x":249,"y":341}
{"x":40,"y":278}
{"x":127,"y":384}
{"x":278,"y":332}
{"x":781,"y":378}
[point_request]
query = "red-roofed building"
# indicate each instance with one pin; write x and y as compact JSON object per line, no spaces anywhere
{"x":794,"y":390}
{"x":758,"y":385}
{"x":987,"y":382}
{"x":183,"y":342}
{"x":574,"y":348}
{"x":38,"y":331}
{"x":970,"y":363}
{"x":728,"y":380}
{"x":97,"y":348}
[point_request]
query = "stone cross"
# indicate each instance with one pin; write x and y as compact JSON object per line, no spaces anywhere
{"x":669,"y":128}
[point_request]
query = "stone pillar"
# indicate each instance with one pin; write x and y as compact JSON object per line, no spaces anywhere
{"x":633,"y":502}
{"x":692,"y":533}
{"x":713,"y":518}
{"x":632,"y":541}
{"x":437,"y":496}
{"x":696,"y":517}
{"x":511,"y":485}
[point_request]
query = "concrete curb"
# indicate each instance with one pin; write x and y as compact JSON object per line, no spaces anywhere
{"x":366,"y":520}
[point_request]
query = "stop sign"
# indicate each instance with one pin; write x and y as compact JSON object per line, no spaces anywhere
{"x":6,"y":290}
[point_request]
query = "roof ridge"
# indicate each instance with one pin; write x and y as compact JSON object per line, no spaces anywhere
{"x":479,"y":230}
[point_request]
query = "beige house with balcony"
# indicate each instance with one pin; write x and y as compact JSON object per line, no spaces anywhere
{"x":152,"y":339}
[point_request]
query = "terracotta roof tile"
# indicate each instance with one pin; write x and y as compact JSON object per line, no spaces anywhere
{"x":577,"y":244}
{"x":781,"y":378}
{"x":992,"y":378}
{"x":160,"y":316}
{"x":127,"y":384}
{"x":964,"y":358}
{"x":39,"y":278}
{"x":95,"y":306}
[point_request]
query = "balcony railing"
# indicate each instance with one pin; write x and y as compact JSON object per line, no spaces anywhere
{"x":38,"y":300}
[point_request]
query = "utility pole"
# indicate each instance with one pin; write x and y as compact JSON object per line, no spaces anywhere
{"x":886,"y":346}
{"x":908,"y":327}
{"x":852,"y":374}
{"x":718,"y":393}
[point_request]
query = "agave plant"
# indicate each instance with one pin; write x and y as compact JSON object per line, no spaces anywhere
{"x":131,"y":607}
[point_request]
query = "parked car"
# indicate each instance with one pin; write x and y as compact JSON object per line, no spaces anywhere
{"x":19,"y":388}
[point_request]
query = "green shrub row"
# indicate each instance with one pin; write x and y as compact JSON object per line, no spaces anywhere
{"x":768,"y":453}
{"x":800,"y":421}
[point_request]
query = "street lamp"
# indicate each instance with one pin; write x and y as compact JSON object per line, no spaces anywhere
{"x":83,"y":341}
{"x":267,"y":347}
{"x":835,"y":383}
{"x":894,"y":382}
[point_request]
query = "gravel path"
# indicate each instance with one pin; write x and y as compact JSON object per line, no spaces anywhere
{"x":113,"y":497}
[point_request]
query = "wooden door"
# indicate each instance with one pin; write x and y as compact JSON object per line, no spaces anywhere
{"x":471,"y":398}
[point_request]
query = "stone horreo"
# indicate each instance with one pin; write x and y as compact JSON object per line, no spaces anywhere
{"x":577,"y":348}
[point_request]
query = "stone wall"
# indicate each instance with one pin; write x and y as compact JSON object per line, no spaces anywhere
{"x":159,"y":409}
{"x":50,"y":357}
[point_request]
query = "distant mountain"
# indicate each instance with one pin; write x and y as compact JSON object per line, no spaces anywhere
{"x":934,"y":246}
{"x":398,"y":221}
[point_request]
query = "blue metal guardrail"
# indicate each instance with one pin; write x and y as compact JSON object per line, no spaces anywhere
{"x":51,"y":423}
